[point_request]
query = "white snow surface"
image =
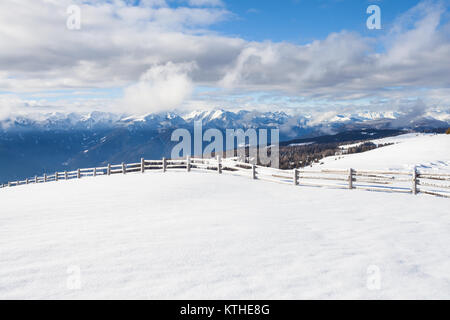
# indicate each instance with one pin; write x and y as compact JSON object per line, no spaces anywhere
{"x":428,"y":152}
{"x":202,"y":235}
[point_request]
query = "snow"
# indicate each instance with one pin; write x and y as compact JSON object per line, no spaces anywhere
{"x":202,"y":235}
{"x":428,"y":152}
{"x":216,"y":115}
{"x":202,"y":114}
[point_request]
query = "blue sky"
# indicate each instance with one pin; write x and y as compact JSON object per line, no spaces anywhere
{"x":302,"y":21}
{"x":160,"y":55}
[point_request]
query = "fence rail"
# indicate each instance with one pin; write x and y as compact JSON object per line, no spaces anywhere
{"x":436,"y":184}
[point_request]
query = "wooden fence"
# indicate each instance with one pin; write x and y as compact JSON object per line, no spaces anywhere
{"x":437,"y":184}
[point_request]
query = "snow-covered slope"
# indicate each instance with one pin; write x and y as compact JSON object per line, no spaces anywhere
{"x":204,"y":235}
{"x":429,"y":152}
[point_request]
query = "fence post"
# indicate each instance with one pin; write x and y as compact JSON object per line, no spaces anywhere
{"x":414,"y":181}
{"x":45,"y":177}
{"x":350,"y":178}
{"x":35,"y":179}
{"x":219,"y":164}
{"x":95,"y":172}
{"x":108,"y":170}
{"x":142,"y":165}
{"x":124,"y":168}
{"x":295,"y":176}
{"x":78,"y":173}
{"x":56,"y":176}
{"x":253,"y":171}
{"x":9,"y":184}
{"x":164,"y":161}
{"x":188,"y":163}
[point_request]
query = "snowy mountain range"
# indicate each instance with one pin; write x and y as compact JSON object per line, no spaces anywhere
{"x":38,"y":143}
{"x":225,"y":119}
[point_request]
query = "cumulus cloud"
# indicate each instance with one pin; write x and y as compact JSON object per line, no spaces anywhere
{"x":161,"y":88}
{"x":346,"y":65}
{"x":8,"y":105}
{"x":115,"y":45}
{"x":283,"y":66}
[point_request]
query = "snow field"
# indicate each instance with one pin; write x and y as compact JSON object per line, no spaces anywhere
{"x":428,"y":152}
{"x":207,"y":236}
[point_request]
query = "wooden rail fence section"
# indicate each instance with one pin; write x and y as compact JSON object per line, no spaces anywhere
{"x":436,"y":184}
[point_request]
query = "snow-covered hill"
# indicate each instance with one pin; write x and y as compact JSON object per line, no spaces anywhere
{"x":428,"y":152}
{"x":203,"y":235}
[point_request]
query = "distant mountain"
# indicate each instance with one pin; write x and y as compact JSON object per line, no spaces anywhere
{"x":290,"y":125}
{"x":34,"y":144}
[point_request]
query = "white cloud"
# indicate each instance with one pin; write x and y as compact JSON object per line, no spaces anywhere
{"x":161,"y":88}
{"x":9,"y":104}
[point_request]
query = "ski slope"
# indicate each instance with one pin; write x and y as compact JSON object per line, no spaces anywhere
{"x":198,"y":235}
{"x":428,"y":152}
